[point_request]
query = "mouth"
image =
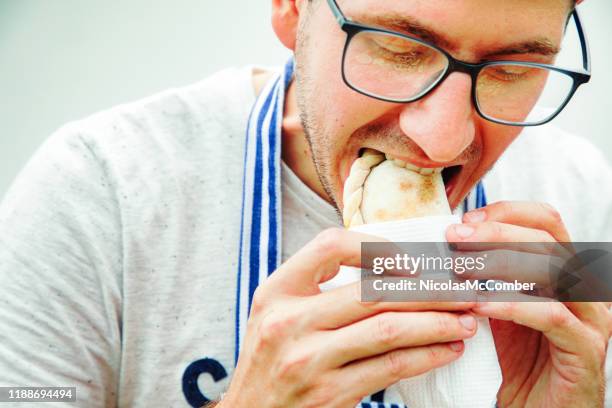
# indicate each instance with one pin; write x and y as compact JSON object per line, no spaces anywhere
{"x":451,"y":173}
{"x":450,"y":176}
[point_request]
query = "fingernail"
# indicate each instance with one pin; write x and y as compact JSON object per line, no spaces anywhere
{"x":467,"y":321}
{"x":456,"y":345}
{"x":464,"y":231}
{"x":475,"y":216}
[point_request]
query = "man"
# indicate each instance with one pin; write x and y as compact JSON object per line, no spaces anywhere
{"x":122,"y":242}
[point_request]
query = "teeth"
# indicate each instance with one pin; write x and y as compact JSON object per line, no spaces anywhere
{"x":430,"y":171}
{"x":399,"y":163}
{"x":412,"y":167}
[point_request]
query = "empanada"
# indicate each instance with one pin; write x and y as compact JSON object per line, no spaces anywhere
{"x":379,"y":190}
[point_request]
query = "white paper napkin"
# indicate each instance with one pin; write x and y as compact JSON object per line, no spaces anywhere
{"x":473,"y":380}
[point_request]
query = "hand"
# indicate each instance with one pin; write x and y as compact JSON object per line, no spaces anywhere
{"x":552,"y":354}
{"x":304,"y":348}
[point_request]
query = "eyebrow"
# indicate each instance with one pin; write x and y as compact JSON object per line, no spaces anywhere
{"x":541,"y":46}
{"x":410,"y":25}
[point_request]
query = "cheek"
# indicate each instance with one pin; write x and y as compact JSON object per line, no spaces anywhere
{"x":336,"y":110}
{"x":341,"y":111}
{"x":496,"y":139}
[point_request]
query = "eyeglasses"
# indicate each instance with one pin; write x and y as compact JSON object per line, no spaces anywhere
{"x":395,"y":67}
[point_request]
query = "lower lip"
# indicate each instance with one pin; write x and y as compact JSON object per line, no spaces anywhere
{"x":451,"y":186}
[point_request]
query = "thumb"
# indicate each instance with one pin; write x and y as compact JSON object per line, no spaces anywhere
{"x":319,"y":261}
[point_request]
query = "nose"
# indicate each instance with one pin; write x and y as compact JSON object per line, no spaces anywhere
{"x":442,"y":123}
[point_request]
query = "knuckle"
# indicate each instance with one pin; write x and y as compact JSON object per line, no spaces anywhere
{"x":261,"y":344}
{"x":260,"y":301}
{"x":443,"y":325}
{"x":558,"y":315}
{"x":395,"y":364}
{"x":496,"y":231}
{"x":505,"y":209}
{"x":322,"y":393}
{"x":551,"y":212}
{"x":364,"y":377}
{"x":597,"y":346}
{"x":272,"y":328}
{"x":387,"y":332}
{"x":434,"y":355}
{"x":293,"y":365}
{"x":509,"y":308}
{"x":327,"y":240}
{"x":370,"y":306}
{"x":600,"y":348}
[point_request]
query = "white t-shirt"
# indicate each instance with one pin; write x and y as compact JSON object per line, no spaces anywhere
{"x":305,"y":214}
{"x":119,"y":241}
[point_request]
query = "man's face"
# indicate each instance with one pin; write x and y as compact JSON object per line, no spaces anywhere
{"x":440,"y":130}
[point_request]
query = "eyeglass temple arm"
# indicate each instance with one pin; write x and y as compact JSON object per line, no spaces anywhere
{"x":584,"y":45}
{"x":337,"y":12}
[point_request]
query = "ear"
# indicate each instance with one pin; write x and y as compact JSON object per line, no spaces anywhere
{"x":285,"y":20}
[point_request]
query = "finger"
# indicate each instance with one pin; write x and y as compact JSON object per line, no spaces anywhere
{"x":595,"y":314}
{"x":373,"y":374}
{"x":495,"y":232}
{"x":394,"y":330}
{"x":318,"y":262}
{"x":551,"y":318}
{"x":533,"y":215}
{"x":509,"y":266}
{"x":342,"y":306}
{"x":548,"y":247}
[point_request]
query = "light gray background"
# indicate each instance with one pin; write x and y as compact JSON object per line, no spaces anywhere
{"x":61,"y":60}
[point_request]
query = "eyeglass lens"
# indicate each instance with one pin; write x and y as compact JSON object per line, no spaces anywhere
{"x":399,"y":69}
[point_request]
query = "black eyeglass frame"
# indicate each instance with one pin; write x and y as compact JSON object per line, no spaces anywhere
{"x":352,"y":28}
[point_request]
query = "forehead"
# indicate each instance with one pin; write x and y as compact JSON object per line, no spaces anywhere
{"x":473,"y":26}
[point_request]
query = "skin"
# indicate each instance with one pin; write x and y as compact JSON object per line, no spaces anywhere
{"x":552,"y":354}
{"x":305,"y":348}
{"x":442,"y":129}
